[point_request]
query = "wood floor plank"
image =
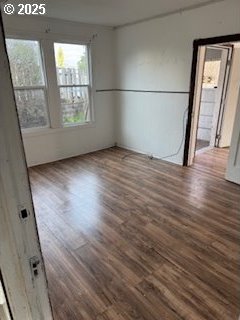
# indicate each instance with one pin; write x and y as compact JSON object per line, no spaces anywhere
{"x":125,"y":237}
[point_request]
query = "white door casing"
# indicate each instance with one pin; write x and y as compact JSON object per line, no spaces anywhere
{"x":196,"y":103}
{"x":19,"y":243}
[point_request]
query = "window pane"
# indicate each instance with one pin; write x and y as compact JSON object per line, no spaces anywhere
{"x":75,"y":105}
{"x":32,"y":110}
{"x":71,"y":64}
{"x":25,"y":62}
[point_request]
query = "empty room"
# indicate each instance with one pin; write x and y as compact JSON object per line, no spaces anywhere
{"x":120,"y":160}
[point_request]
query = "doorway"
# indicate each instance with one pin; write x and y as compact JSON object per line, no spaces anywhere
{"x":214,"y":96}
{"x":215,"y":78}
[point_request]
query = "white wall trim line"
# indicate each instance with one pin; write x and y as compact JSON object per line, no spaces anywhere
{"x":144,"y":91}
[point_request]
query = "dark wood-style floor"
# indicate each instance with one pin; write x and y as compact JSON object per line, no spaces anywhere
{"x":133,"y":238}
{"x":202,"y":144}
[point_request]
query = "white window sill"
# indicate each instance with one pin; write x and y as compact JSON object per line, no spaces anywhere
{"x":45,"y":131}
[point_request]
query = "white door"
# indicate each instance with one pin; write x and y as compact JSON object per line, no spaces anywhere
{"x":21,"y":261}
{"x":233,"y":167}
{"x":221,"y":92}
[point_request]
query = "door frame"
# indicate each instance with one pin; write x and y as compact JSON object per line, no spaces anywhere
{"x":197,"y":44}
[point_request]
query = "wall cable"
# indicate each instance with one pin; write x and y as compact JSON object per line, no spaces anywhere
{"x":171,"y":155}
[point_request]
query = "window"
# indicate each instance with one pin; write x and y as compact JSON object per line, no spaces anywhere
{"x":28,"y":81}
{"x":73,"y":79}
{"x":67,"y":102}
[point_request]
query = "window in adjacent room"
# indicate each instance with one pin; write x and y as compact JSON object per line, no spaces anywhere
{"x":72,"y":65}
{"x":29,"y":83}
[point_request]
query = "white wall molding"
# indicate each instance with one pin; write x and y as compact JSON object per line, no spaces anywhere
{"x":170,"y":13}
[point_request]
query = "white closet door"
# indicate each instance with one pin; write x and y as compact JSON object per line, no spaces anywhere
{"x":233,"y":167}
{"x":21,"y":261}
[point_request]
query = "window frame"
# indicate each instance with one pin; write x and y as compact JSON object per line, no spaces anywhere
{"x":52,"y":92}
{"x":40,"y":87}
{"x":89,"y":86}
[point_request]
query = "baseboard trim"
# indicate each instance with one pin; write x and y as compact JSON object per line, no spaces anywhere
{"x":38,"y":163}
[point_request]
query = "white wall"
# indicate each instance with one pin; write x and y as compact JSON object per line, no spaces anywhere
{"x":157,"y":55}
{"x":231,"y":101}
{"x":55,"y":144}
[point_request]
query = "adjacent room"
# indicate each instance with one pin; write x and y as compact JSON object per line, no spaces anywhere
{"x":215,"y":108}
{"x":123,"y":117}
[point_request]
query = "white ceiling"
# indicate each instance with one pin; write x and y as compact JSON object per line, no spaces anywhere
{"x":113,"y":12}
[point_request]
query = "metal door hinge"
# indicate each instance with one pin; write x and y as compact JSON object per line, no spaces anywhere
{"x":35,"y":265}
